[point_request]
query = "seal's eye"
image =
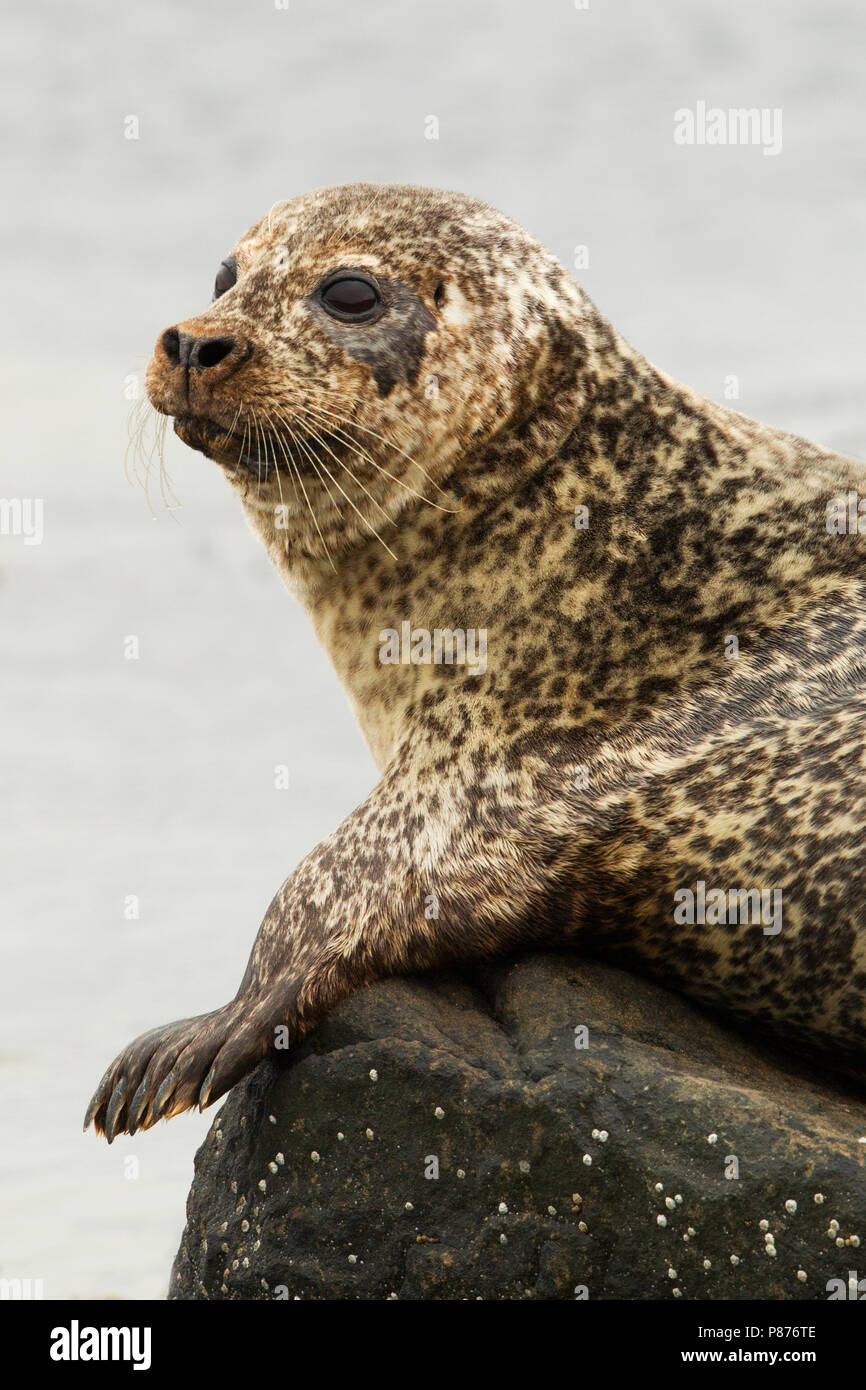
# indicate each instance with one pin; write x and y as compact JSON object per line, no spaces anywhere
{"x":351,"y":299}
{"x":226,"y":276}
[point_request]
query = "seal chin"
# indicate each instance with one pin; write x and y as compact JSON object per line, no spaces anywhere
{"x":216,"y":442}
{"x":191,"y":432}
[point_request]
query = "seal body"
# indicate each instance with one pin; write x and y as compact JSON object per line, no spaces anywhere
{"x":605,"y":638}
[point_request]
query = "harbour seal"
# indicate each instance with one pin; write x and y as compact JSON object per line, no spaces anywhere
{"x":643,"y":731}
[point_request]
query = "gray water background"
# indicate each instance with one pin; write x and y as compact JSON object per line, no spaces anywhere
{"x":155,"y":777}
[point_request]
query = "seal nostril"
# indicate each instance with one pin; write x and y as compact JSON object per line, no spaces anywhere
{"x":171,"y":346}
{"x":176,"y":346}
{"x":209,"y":352}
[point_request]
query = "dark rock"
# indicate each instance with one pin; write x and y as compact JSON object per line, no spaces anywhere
{"x":522,"y":1108}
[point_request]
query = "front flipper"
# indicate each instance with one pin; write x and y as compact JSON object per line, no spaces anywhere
{"x":174,"y":1068}
{"x":358,"y":908}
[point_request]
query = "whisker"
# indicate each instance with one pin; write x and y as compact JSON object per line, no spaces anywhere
{"x":348,"y":470}
{"x":142,"y":417}
{"x":169,"y":500}
{"x":356,"y":509}
{"x":135,"y":426}
{"x":334,"y":428}
{"x":302,"y":445}
{"x":351,"y":398}
{"x":356,"y":424}
{"x":313,"y":513}
{"x":270,"y":436}
{"x":231,"y":429}
{"x":258,"y":451}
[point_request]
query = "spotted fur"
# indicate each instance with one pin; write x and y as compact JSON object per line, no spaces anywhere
{"x":615,"y":750}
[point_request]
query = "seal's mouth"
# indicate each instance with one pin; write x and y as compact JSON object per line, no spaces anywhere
{"x":218,"y":443}
{"x":258,"y":449}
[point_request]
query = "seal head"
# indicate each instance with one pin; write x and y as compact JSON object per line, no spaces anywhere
{"x":362,"y":340}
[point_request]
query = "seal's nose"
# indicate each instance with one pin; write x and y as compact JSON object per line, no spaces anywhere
{"x":190,"y":369}
{"x":183,"y":350}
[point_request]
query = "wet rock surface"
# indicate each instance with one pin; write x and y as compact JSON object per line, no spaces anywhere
{"x":444,"y":1138}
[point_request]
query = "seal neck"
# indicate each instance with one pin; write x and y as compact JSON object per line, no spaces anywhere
{"x":611,"y":521}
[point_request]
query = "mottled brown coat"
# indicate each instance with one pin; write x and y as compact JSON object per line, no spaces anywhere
{"x":619,"y":746}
